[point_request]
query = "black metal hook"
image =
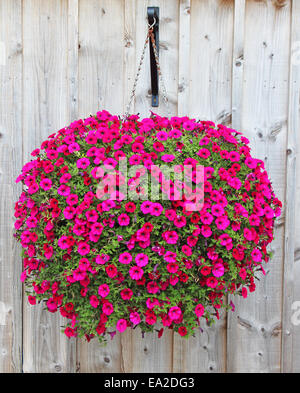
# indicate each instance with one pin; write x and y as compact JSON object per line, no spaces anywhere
{"x":153,"y":20}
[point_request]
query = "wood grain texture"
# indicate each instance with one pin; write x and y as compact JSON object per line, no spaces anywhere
{"x":101,"y":42}
{"x":47,"y":107}
{"x":211,"y":60}
{"x":236,"y":119}
{"x":184,"y":57}
{"x":290,"y":360}
{"x":129,"y":55}
{"x":147,"y":353}
{"x":10,"y":163}
{"x":129,"y":71}
{"x":238,"y":63}
{"x":254,"y":331}
{"x":101,"y":83}
{"x":73,"y":59}
{"x":210,"y":74}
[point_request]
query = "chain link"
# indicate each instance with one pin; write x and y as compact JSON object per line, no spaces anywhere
{"x":164,"y":91}
{"x":163,"y":87}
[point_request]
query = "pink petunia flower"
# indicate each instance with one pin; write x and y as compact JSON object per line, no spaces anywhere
{"x":125,"y":258}
{"x":83,"y":163}
{"x":170,"y":256}
{"x":156,"y":209}
{"x":141,"y":259}
{"x":168,"y":157}
{"x":126,"y":294}
{"x":218,"y":270}
{"x":256,"y":255}
{"x":121,"y":325}
{"x":123,"y":219}
{"x":46,"y":184}
{"x":102,"y":259}
{"x":174,"y":313}
{"x":136,"y":272}
{"x":94,"y":301}
{"x":199,"y":310}
{"x":107,"y":308}
{"x":103,"y":290}
{"x":171,"y":237}
{"x":83,"y":248}
{"x":135,"y":318}
{"x":146,"y":207}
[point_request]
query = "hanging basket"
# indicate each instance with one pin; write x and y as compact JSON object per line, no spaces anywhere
{"x":109,"y":252}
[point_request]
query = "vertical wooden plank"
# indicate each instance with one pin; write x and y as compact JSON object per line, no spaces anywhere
{"x":46,"y":108}
{"x":143,"y":97}
{"x":254,"y":331}
{"x":290,"y":359}
{"x":204,"y":353}
{"x":237,"y":100}
{"x":209,"y":98}
{"x":184,"y":57}
{"x":238,"y":63}
{"x":148,"y":353}
{"x":211,"y":65}
{"x":126,"y":340}
{"x":101,"y":84}
{"x":101,"y":41}
{"x":73,"y":59}
{"x":73,"y":95}
{"x":94,"y":357}
{"x":10,"y":165}
{"x":295,"y":361}
{"x":129,"y":51}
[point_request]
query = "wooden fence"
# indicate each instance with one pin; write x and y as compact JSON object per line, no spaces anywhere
{"x":234,"y":62}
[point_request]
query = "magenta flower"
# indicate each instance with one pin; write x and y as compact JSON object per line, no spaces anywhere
{"x":103,"y":290}
{"x":135,"y":318}
{"x":46,"y":184}
{"x":94,"y":301}
{"x":123,"y":219}
{"x":136,"y":272}
{"x":199,"y":310}
{"x":218,"y":270}
{"x":146,"y":207}
{"x":171,"y":237}
{"x":83,"y":163}
{"x":235,"y":183}
{"x":174,"y":313}
{"x":141,"y":259}
{"x":125,"y":258}
{"x":121,"y":325}
{"x":156,"y":209}
{"x":168,"y":157}
{"x":256,"y":255}
{"x":64,"y":190}
{"x":83,"y":248}
{"x":107,"y":308}
{"x":52,"y":305}
{"x":162,"y":136}
{"x":217,"y":210}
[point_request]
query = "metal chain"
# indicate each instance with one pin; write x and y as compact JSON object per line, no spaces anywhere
{"x":164,"y":91}
{"x":163,"y":87}
{"x":132,"y":96}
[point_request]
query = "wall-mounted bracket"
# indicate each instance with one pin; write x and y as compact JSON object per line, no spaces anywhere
{"x":153,"y":20}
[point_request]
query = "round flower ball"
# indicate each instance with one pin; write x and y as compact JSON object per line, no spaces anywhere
{"x":142,"y":222}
